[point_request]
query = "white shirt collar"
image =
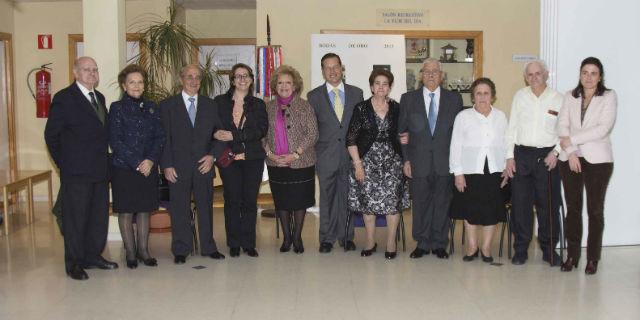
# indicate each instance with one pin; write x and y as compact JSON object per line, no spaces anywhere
{"x":84,"y":90}
{"x":426,"y":91}
{"x":186,"y":97}
{"x":330,"y":87}
{"x":480,"y":115}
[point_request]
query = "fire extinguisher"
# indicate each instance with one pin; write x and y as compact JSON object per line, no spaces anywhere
{"x":43,"y":90}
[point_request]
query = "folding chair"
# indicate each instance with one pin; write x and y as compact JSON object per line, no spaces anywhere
{"x":506,"y":225}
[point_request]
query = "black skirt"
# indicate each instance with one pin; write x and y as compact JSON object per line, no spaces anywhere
{"x":133,"y":192}
{"x":482,"y":202}
{"x":292,"y":189}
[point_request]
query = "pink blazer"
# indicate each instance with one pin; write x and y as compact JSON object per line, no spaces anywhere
{"x":592,"y":136}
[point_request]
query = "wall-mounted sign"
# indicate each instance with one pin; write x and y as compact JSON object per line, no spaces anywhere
{"x":402,"y":17}
{"x":45,"y":41}
{"x":523,"y":57}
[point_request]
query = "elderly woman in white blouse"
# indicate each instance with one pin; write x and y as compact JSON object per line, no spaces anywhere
{"x":477,"y":158}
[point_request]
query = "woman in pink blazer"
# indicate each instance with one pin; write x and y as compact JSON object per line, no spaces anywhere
{"x":584,"y":126}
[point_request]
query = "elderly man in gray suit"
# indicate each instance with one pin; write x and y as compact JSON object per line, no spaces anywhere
{"x":333,"y":104}
{"x":426,"y":117}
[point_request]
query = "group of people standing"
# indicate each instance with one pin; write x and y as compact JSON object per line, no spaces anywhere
{"x":370,"y":156}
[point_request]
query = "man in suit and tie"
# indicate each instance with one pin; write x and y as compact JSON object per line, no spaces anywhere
{"x":427,"y":116}
{"x":333,"y":104}
{"x":77,"y":138}
{"x":189,"y":120}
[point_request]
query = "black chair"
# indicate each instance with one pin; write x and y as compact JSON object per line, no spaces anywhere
{"x":506,"y":225}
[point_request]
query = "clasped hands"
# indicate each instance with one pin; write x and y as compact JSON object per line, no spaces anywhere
{"x":204,"y":166}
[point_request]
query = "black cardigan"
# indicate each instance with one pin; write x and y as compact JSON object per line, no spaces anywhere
{"x":363,"y":130}
{"x":247,"y":139}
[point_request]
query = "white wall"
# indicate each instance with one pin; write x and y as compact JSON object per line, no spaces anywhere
{"x":610,"y":31}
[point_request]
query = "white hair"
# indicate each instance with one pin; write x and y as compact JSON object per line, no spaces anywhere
{"x":539,"y":62}
{"x":432,"y":60}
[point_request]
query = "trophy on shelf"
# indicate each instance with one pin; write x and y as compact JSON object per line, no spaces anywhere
{"x":469,"y":50}
{"x":448,"y":53}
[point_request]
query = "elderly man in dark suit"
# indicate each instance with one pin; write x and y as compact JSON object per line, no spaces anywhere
{"x":333,"y":104}
{"x":427,"y":116}
{"x":189,"y":120}
{"x":77,"y":138}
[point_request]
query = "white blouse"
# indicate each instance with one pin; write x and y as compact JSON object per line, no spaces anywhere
{"x":476,"y":138}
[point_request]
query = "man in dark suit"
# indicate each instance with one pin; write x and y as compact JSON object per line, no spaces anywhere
{"x":77,"y":138}
{"x":189,"y":121}
{"x":427,"y":115}
{"x":333,"y":104}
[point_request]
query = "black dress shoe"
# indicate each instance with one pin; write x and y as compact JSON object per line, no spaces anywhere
{"x":179,"y":259}
{"x":368,"y":252}
{"x":325,"y":247}
{"x":234,"y":251}
{"x":519,"y":259}
{"x":251,"y":252}
{"x":350,"y":246}
{"x":77,"y":273}
{"x":217,"y":256}
{"x":487,"y":259}
{"x":441,"y":253}
{"x":418,"y":253}
{"x":101,"y":263}
{"x":390,"y":255}
{"x":554,"y":260}
{"x":285,"y":247}
{"x":149,"y":262}
{"x":132,"y":264}
{"x":471,"y":257}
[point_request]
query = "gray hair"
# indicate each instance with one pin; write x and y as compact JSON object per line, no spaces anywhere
{"x":432,"y":60}
{"x":184,"y":69}
{"x":539,"y":62}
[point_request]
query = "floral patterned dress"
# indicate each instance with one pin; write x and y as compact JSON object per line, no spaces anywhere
{"x":385,"y":189}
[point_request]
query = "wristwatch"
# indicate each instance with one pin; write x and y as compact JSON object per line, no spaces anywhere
{"x":296,"y":155}
{"x":555,"y":152}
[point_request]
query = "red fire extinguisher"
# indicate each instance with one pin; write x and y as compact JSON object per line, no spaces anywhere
{"x":43,"y":90}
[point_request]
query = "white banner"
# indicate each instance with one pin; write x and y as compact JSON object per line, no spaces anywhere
{"x":359,"y":55}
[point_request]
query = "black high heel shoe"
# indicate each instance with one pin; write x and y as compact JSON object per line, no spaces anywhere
{"x":471,"y":257}
{"x":285,"y":247}
{"x":390,"y":255}
{"x":149,"y":262}
{"x":368,"y":252}
{"x":487,"y":259}
{"x":132,"y":264}
{"x":569,"y":264}
{"x":298,"y":247}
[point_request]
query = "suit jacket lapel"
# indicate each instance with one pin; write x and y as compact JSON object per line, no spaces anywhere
{"x":85,"y":105}
{"x":588,"y":114}
{"x":441,"y":110}
{"x":182,"y":111}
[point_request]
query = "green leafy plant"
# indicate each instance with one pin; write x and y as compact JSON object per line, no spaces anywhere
{"x":165,"y":47}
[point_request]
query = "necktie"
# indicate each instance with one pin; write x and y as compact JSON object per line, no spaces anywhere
{"x":192,"y":111}
{"x":338,"y":107}
{"x":432,"y":113}
{"x":96,"y":107}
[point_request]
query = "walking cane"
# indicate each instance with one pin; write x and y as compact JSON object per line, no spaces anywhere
{"x":562,"y":239}
{"x":549,"y":195}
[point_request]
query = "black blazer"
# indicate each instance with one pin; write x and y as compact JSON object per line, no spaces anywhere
{"x":186,"y":144}
{"x":428,"y":154}
{"x":248,"y":139}
{"x":363,"y":130}
{"x":75,"y":137}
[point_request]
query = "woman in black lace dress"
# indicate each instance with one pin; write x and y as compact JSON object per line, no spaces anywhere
{"x":377,"y":185}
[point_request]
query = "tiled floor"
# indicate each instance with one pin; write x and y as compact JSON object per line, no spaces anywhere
{"x":338,"y":285}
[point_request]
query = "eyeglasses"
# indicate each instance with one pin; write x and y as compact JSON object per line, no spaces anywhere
{"x":89,"y":70}
{"x":431,"y":72}
{"x":192,"y":78}
{"x":241,"y":77}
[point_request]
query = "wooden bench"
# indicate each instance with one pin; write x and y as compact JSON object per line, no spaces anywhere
{"x":22,"y":179}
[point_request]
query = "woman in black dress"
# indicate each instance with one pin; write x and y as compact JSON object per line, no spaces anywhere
{"x":377,"y":185}
{"x":477,"y":159}
{"x":244,"y":123}
{"x":136,"y":138}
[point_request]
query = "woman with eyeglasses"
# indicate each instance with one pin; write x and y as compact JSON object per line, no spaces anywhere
{"x":244,"y":124}
{"x":291,"y":157}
